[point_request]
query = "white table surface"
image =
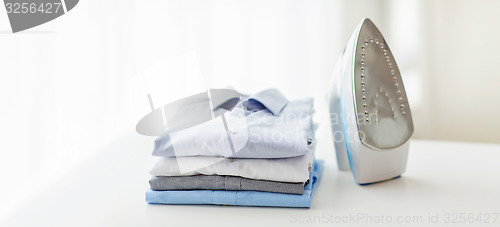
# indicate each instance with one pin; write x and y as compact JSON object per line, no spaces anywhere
{"x":442,"y":178}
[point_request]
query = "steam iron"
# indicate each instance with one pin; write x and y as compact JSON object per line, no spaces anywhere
{"x":370,"y":115}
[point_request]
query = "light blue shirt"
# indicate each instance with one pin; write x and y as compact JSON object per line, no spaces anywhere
{"x":240,"y":198}
{"x":264,"y":125}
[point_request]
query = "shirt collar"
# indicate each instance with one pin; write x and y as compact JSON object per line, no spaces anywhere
{"x":270,"y":99}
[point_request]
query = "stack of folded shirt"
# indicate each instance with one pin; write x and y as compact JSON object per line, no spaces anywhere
{"x":261,"y":153}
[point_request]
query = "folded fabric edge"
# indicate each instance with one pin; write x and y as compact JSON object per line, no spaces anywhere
{"x":154,"y":197}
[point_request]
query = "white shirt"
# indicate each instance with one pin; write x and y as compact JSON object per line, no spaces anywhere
{"x":265,"y":125}
{"x":295,"y":169}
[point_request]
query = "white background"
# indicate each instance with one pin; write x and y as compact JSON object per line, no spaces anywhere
{"x":71,"y":87}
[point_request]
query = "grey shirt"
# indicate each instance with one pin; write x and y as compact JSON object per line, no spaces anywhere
{"x":231,"y":183}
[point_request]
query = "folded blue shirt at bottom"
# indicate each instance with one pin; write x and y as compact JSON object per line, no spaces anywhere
{"x":240,"y":198}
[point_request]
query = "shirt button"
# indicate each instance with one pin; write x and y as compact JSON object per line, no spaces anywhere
{"x":241,"y":115}
{"x":234,"y":130}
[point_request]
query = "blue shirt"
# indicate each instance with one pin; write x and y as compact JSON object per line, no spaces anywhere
{"x":240,"y":198}
{"x":264,"y":125}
